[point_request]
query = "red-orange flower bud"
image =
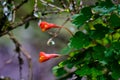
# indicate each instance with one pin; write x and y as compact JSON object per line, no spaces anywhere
{"x":44,"y":57}
{"x":45,"y":25}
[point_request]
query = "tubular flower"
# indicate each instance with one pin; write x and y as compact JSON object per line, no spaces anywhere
{"x":44,"y":57}
{"x":45,"y":25}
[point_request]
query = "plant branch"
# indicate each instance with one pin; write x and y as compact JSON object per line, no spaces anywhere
{"x":51,"y":5}
{"x":62,"y":26}
{"x":63,"y":4}
{"x":19,"y":49}
{"x":20,"y":5}
{"x":73,"y":5}
{"x":35,"y":6}
{"x":67,"y":30}
{"x":11,"y":27}
{"x":57,"y":32}
{"x":69,"y":71}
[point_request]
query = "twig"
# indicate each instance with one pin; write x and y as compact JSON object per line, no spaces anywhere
{"x":69,"y":71}
{"x":35,"y":6}
{"x":80,"y":6}
{"x":50,"y":12}
{"x":57,"y":32}
{"x":19,"y":49}
{"x":13,"y":12}
{"x":27,"y":55}
{"x":20,"y":59}
{"x":10,"y":28}
{"x":51,"y":5}
{"x":63,"y":4}
{"x":68,"y":30}
{"x":20,"y":5}
{"x":62,"y":26}
{"x":73,"y":5}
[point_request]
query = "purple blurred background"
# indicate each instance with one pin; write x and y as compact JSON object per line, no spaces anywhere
{"x":34,"y":41}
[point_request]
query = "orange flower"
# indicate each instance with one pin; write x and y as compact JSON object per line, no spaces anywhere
{"x":45,"y":25}
{"x":44,"y":57}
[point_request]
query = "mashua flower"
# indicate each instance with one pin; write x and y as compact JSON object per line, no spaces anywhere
{"x":46,"y":26}
{"x":45,"y":57}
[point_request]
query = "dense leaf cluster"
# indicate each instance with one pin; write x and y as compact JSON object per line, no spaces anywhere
{"x":95,"y":48}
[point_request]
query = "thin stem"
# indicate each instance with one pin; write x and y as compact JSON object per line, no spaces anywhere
{"x":62,"y":26}
{"x":51,"y":5}
{"x":57,"y":32}
{"x":65,"y":29}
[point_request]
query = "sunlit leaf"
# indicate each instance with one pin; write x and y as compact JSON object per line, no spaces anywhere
{"x":99,"y":32}
{"x":83,"y":71}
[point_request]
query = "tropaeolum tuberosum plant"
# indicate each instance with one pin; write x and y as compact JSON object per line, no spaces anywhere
{"x":94,"y":50}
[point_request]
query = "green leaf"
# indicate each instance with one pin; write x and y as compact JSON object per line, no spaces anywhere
{"x":103,"y":10}
{"x":115,"y":68}
{"x":79,"y":40}
{"x":104,"y":7}
{"x":113,"y":49}
{"x":102,"y":78}
{"x":83,"y":71}
{"x":99,"y":32}
{"x":65,"y":50}
{"x":98,"y":52}
{"x":106,"y":3}
{"x":118,"y":9}
{"x":87,"y":12}
{"x":114,"y":20}
{"x":59,"y":71}
{"x":82,"y":17}
{"x":108,"y":52}
{"x":27,"y":25}
{"x":116,"y":74}
{"x":79,"y":20}
{"x":95,"y":73}
{"x":116,"y":47}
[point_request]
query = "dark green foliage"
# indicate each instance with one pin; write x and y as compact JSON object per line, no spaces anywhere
{"x":104,"y":7}
{"x":99,"y":31}
{"x":79,"y":40}
{"x":59,"y":71}
{"x":114,"y":20}
{"x":96,"y":52}
{"x":80,"y":19}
